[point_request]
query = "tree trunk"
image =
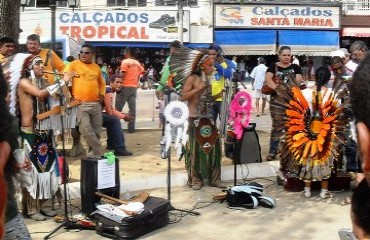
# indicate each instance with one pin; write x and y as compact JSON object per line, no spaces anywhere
{"x":9,"y":18}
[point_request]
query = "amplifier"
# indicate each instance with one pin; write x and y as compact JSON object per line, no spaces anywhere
{"x":248,"y":149}
{"x":90,"y":184}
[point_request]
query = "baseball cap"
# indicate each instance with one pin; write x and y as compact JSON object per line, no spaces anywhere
{"x":337,"y":53}
{"x":175,"y":44}
{"x":215,"y":47}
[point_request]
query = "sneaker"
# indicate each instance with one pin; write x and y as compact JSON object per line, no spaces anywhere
{"x":123,"y":153}
{"x":306,"y":192}
{"x":38,"y":217}
{"x":163,"y":21}
{"x":48,"y":213}
{"x":197,"y":186}
{"x":326,"y":194}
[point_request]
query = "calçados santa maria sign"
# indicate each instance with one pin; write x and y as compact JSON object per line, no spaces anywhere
{"x":277,"y":16}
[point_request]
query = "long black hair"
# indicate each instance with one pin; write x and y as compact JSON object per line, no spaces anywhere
{"x":8,"y":125}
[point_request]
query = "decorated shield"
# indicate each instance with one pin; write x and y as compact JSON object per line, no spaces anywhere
{"x":206,"y":133}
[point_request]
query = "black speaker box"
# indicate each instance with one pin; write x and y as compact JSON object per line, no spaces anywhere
{"x":89,"y":184}
{"x":248,"y":148}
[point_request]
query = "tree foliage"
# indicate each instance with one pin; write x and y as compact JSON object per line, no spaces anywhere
{"x":9,"y":18}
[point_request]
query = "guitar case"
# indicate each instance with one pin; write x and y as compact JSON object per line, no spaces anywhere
{"x":155,"y":216}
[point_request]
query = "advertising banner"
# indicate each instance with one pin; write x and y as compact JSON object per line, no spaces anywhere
{"x":277,"y":16}
{"x":110,"y":26}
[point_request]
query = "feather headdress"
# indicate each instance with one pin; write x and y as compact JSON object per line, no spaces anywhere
{"x":184,"y":62}
{"x":312,"y":131}
{"x":16,"y":67}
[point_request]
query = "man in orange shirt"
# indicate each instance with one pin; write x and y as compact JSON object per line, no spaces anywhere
{"x":49,"y":57}
{"x":131,"y":70}
{"x":89,"y":88}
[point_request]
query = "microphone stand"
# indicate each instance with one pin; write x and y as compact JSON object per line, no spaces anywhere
{"x":168,"y":90}
{"x":67,"y":222}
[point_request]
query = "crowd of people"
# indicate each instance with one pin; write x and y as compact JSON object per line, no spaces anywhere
{"x":37,"y":86}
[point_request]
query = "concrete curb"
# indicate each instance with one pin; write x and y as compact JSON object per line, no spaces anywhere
{"x":179,"y":178}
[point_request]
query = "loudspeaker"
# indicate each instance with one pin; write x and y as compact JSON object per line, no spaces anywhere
{"x":89,"y":184}
{"x":248,"y":149}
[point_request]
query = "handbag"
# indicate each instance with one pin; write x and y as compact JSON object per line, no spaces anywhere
{"x":266,"y":89}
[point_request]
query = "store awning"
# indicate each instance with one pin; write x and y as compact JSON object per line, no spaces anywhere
{"x":311,"y":43}
{"x":356,"y":32}
{"x":246,"y":42}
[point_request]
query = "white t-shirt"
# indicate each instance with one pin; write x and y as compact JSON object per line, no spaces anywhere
{"x":350,"y":67}
{"x":258,"y":74}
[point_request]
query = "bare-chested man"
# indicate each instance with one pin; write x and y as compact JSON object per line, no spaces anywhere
{"x":33,"y":92}
{"x":203,"y":151}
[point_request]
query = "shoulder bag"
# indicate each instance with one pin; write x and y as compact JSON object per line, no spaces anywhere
{"x":266,"y":89}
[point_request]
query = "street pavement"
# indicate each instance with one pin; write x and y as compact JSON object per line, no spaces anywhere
{"x":294,"y":217}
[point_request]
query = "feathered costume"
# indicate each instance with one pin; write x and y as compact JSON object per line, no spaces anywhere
{"x":311,"y":134}
{"x":203,"y":150}
{"x":42,"y":182}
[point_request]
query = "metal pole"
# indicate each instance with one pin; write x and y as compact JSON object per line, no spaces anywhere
{"x":181,"y":21}
{"x":53,"y":8}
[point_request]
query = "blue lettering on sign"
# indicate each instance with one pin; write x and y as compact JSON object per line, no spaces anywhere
{"x":99,"y":17}
{"x":120,"y":17}
{"x":306,"y":11}
{"x":75,"y":18}
{"x":64,"y":17}
{"x":109,"y":18}
{"x":132,"y":17}
{"x":144,"y":18}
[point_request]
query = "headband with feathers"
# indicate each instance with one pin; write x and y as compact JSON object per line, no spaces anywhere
{"x":184,"y":62}
{"x":17,"y":66}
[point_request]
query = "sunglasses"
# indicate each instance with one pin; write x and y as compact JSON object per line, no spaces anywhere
{"x":81,"y":52}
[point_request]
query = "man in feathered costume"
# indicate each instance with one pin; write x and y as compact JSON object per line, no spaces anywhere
{"x":312,"y":124}
{"x":32,"y":90}
{"x":203,"y":150}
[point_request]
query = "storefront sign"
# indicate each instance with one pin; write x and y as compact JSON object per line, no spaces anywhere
{"x":102,"y":26}
{"x":277,"y":16}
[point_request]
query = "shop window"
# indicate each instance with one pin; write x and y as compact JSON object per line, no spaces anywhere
{"x":130,"y":3}
{"x":188,"y":3}
{"x":46,"y":3}
{"x":112,"y":3}
{"x":364,"y":4}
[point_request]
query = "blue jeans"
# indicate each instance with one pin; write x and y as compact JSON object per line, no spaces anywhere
{"x":350,"y":151}
{"x":116,"y":139}
{"x":127,"y":94}
{"x":16,"y":229}
{"x":274,"y":143}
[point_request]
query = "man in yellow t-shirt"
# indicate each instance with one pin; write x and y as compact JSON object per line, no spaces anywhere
{"x":131,"y":70}
{"x":49,"y":57}
{"x":89,"y":88}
